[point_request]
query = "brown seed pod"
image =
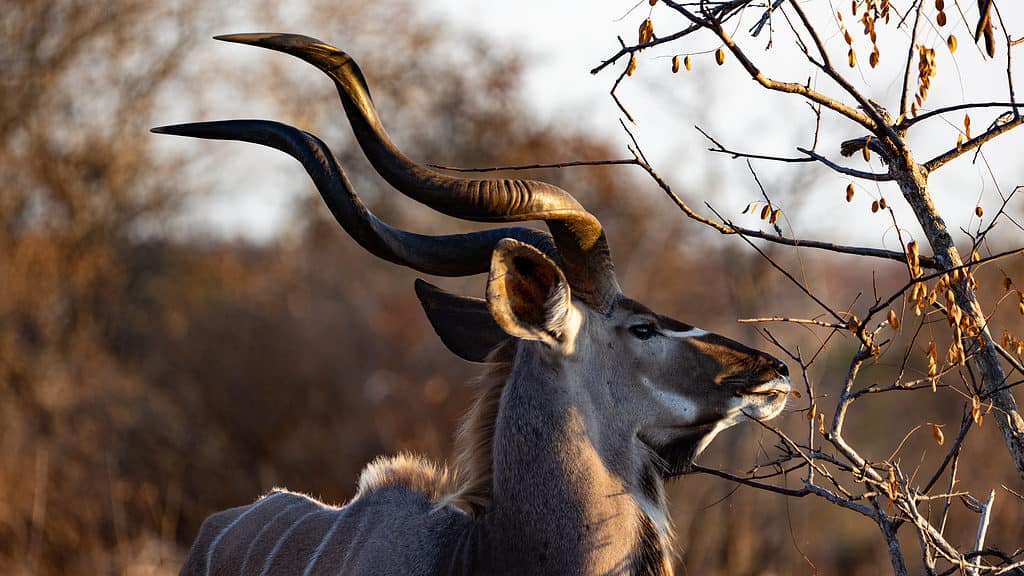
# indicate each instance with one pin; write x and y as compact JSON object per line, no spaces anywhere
{"x":821,"y":424}
{"x":849,"y":192}
{"x":873,"y":58}
{"x":882,"y":203}
{"x":874,"y":206}
{"x":951,"y":43}
{"x":775,"y":216}
{"x":940,"y":4}
{"x":686,"y":63}
{"x":851,"y":58}
{"x":675,"y":64}
{"x":853,"y":7}
{"x":812,"y":412}
{"x":765,"y":212}
{"x":1007,"y":283}
{"x":866,"y":150}
{"x":937,"y":434}
{"x":853,"y":324}
{"x":794,"y":393}
{"x":967,"y":125}
{"x":847,"y":37}
{"x":632,"y":65}
{"x":720,"y":56}
{"x":652,"y":2}
{"x":959,"y":140}
{"x":894,"y":322}
{"x":646,"y":32}
{"x":940,"y":18}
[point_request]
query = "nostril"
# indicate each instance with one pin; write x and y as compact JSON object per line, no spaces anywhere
{"x":781,"y":368}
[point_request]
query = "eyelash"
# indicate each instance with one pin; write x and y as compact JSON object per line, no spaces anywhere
{"x":643,"y":331}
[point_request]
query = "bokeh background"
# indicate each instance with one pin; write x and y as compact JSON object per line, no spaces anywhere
{"x":163,"y":356}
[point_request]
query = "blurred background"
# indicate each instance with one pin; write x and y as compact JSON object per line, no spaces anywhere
{"x":182,"y":326}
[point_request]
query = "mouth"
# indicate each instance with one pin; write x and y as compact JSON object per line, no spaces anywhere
{"x":766,"y":400}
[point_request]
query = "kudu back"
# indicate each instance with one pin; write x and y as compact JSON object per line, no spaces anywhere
{"x":589,"y":401}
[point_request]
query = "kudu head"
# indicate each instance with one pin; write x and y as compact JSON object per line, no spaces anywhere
{"x":634,"y":374}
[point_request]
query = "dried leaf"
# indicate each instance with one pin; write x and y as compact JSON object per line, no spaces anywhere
{"x":894,"y":321}
{"x":646,"y":32}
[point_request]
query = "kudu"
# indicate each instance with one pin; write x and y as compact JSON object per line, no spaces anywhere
{"x":590,"y":402}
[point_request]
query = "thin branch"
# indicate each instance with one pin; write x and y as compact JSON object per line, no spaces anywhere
{"x":996,"y":131}
{"x":623,"y":161}
{"x":908,"y":122}
{"x":877,"y":177}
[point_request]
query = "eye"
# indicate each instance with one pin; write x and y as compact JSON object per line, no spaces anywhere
{"x":643,"y":331}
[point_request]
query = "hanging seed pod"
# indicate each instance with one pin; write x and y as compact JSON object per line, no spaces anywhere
{"x":632,"y":65}
{"x":812,"y":412}
{"x":675,"y":64}
{"x":882,"y":203}
{"x":853,"y":7}
{"x":765,"y":212}
{"x":847,"y":37}
{"x":951,"y":43}
{"x":853,"y":324}
{"x":652,"y":2}
{"x":894,"y":322}
{"x":775,"y":216}
{"x":849,"y":192}
{"x":873,"y":58}
{"x":646,"y":32}
{"x":967,"y":125}
{"x":940,"y":19}
{"x":821,"y":424}
{"x":1007,"y":284}
{"x":976,"y":410}
{"x":866,"y":150}
{"x":851,"y":58}
{"x":959,"y":140}
{"x":795,"y":393}
{"x":940,"y":4}
{"x":937,"y":434}
{"x":874,"y":206}
{"x":686,"y":63}
{"x":720,"y":56}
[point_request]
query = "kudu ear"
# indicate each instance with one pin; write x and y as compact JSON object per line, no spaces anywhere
{"x":528,"y":295}
{"x":465,"y":325}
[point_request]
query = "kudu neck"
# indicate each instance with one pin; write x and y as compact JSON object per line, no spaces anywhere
{"x":557,"y":498}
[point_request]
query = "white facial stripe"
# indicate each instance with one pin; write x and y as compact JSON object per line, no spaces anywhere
{"x":691,"y":333}
{"x":682,"y":406}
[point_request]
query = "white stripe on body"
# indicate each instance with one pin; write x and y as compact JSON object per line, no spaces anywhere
{"x":226,"y":529}
{"x":691,"y":333}
{"x":323,"y":544}
{"x":280,"y":541}
{"x":266,"y":526}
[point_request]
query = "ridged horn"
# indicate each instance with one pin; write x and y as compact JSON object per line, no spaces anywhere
{"x":444,"y":255}
{"x":585,"y":257}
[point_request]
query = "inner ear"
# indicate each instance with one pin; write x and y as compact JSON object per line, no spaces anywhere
{"x":531,"y":285}
{"x":527,"y":293}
